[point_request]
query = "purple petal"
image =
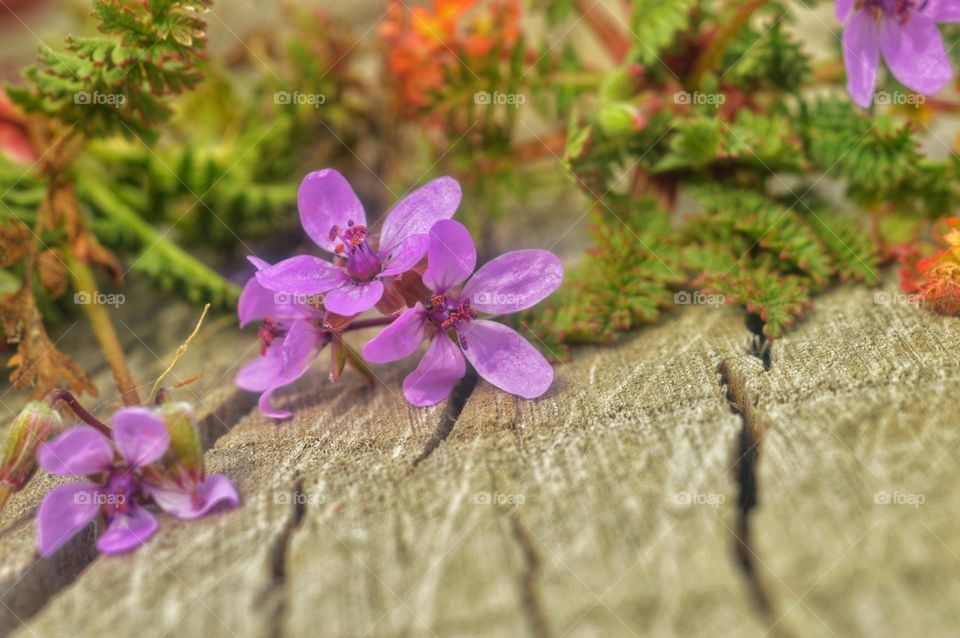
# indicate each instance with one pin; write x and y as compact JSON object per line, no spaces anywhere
{"x":405,"y":256}
{"x":942,"y":10}
{"x":436,"y":374}
{"x":77,"y":452}
{"x":297,"y":346}
{"x":326,"y":200}
{"x":844,"y":7}
{"x":398,"y":340}
{"x":915,"y":54}
{"x":191,"y":504}
{"x":352,"y":298}
{"x":281,"y":366}
{"x":127,"y":531}
{"x":301,"y":275}
{"x":451,"y":256}
{"x":260,"y":373}
{"x":416,"y":213}
{"x":140,"y":435}
{"x":65,"y":511}
{"x":506,"y":359}
{"x":255,"y":303}
{"x":861,"y":56}
{"x":265,"y":403}
{"x":258,"y":263}
{"x":514,"y":281}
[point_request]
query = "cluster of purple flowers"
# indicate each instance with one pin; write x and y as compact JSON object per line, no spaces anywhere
{"x":906,"y":33}
{"x":418,"y":272}
{"x":148,"y":456}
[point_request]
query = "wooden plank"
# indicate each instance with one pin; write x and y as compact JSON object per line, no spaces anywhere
{"x":564,"y":516}
{"x":27,"y":581}
{"x":857,"y":531}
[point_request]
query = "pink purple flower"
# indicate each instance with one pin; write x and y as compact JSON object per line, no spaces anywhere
{"x":334,"y":218}
{"x":451,"y":321}
{"x":117,"y":486}
{"x":291,"y":338}
{"x":905,"y":32}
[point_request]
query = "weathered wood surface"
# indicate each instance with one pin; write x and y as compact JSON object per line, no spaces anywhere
{"x":858,"y":528}
{"x":565,"y":516}
{"x":608,"y":508}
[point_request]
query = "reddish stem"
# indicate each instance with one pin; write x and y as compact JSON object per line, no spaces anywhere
{"x":607,"y":31}
{"x":65,"y":395}
{"x":369,"y":323}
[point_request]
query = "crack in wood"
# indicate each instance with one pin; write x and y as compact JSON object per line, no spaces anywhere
{"x":24,"y":595}
{"x":530,"y":601}
{"x":744,"y":468}
{"x":275,"y":597}
{"x":760,"y":346}
{"x":455,"y":404}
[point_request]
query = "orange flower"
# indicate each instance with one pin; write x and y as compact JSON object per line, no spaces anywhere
{"x":424,"y":45}
{"x":936,"y":279}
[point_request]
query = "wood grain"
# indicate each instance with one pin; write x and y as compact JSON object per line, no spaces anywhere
{"x":585,"y":513}
{"x":857,"y":532}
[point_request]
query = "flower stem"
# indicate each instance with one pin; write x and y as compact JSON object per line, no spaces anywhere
{"x":85,"y":284}
{"x":67,"y":397}
{"x":6,"y":491}
{"x":710,"y":56}
{"x":609,"y":33}
{"x":369,"y":323}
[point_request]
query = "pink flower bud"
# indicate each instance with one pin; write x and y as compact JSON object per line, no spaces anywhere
{"x":34,"y":425}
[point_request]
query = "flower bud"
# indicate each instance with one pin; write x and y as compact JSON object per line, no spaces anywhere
{"x":34,"y":425}
{"x":185,"y":453}
{"x":621,"y":118}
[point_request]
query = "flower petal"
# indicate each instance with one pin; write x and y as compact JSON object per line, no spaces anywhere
{"x":514,"y":281}
{"x":404,"y":257}
{"x":436,"y":374}
{"x":298,"y":343}
{"x":255,"y":303}
{"x":451,"y":256}
{"x":861,"y":56}
{"x":353,"y":298}
{"x":77,"y":452}
{"x":326,"y":200}
{"x":398,"y":340}
{"x":260,"y":373}
{"x":190,"y":504}
{"x":140,"y":435}
{"x":284,"y":366}
{"x":416,"y":213}
{"x":301,"y":275}
{"x":844,"y":7}
{"x":915,"y":54}
{"x":506,"y":359}
{"x":128,"y":531}
{"x":942,"y":10}
{"x":258,"y":263}
{"x":265,"y":403}
{"x":65,"y":511}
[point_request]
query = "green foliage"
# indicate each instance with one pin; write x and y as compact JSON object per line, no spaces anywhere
{"x":116,"y":83}
{"x":772,"y":256}
{"x":654,"y":25}
{"x":624,"y":281}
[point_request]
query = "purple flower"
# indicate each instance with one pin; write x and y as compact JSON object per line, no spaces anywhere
{"x":905,"y":31}
{"x":334,"y":218}
{"x":450,"y":319}
{"x":291,"y":339}
{"x":117,"y":487}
